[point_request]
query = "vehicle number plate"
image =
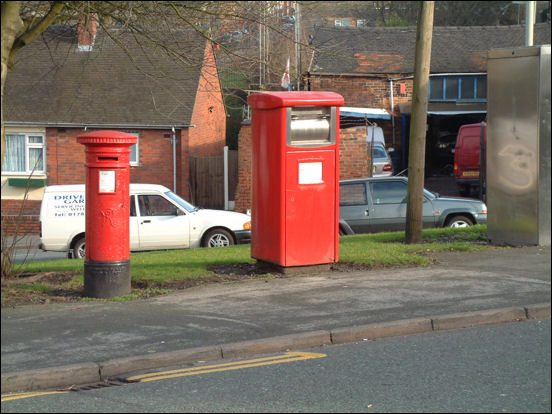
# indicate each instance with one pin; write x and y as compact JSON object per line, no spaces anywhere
{"x":470,"y":174}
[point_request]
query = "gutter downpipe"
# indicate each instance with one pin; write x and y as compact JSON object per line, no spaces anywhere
{"x":529,"y":22}
{"x":226,"y":203}
{"x":392,"y":111}
{"x":174,"y":158}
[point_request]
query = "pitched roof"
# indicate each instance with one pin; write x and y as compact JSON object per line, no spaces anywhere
{"x":142,"y":83}
{"x":387,"y":50}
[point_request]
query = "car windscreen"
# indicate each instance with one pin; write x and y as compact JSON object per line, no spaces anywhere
{"x":180,"y":201}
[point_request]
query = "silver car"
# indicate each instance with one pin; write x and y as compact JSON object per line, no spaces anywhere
{"x":382,"y":165}
{"x":370,"y":205}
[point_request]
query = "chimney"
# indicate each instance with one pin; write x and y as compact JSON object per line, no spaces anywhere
{"x":86,"y":30}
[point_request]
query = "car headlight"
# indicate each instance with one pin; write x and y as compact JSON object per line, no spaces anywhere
{"x":247,"y":225}
{"x":483,"y":208}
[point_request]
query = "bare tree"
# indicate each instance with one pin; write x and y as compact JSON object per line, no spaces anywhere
{"x":148,"y":22}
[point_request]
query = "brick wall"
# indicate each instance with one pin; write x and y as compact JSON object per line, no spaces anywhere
{"x":242,"y":198}
{"x":351,"y":162}
{"x":20,"y":217}
{"x":369,"y":92}
{"x":208,"y":135}
{"x":66,"y":157}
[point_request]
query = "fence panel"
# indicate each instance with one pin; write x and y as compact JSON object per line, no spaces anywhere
{"x":207,"y":180}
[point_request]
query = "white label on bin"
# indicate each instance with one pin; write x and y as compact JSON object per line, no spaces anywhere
{"x":310,"y":173}
{"x":107,"y":181}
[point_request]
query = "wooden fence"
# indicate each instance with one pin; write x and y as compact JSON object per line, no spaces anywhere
{"x":207,"y":180}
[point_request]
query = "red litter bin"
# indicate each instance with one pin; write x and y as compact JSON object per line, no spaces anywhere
{"x":295,"y":193}
{"x":107,"y":264}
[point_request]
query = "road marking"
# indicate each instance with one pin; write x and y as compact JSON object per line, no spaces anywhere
{"x":19,"y":396}
{"x":229,"y":366}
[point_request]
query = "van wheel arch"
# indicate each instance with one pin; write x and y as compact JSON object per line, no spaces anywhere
{"x":77,"y":244}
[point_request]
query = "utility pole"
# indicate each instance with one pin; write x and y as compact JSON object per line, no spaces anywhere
{"x":298,"y":43}
{"x":418,"y":124}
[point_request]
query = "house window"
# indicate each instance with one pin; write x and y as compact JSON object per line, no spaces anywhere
{"x":343,"y":22}
{"x":361,"y":23}
{"x":24,"y":154}
{"x":134,"y":149}
{"x":458,"y":88}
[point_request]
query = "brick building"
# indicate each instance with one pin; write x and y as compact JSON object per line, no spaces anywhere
{"x":372,"y":67}
{"x":65,"y":83}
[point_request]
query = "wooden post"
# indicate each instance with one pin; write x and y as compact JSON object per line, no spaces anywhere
{"x":418,"y":123}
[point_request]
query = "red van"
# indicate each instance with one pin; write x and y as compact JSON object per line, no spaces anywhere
{"x":466,"y":157}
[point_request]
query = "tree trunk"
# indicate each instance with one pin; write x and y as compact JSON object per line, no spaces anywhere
{"x":418,"y":124}
{"x":12,"y":26}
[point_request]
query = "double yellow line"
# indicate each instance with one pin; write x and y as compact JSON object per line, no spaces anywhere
{"x":229,"y":366}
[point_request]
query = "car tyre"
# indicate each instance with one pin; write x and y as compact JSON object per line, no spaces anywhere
{"x":459,"y":221}
{"x":218,"y":238}
{"x":79,"y":249}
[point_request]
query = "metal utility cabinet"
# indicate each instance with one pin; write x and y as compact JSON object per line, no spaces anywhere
{"x":518,"y":146}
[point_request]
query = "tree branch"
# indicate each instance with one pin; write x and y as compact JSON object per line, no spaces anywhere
{"x":33,"y":32}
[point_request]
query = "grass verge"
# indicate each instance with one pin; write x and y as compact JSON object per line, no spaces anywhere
{"x":160,"y":272}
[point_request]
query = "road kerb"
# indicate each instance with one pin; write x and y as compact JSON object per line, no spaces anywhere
{"x":88,"y":373}
{"x":538,"y":311}
{"x":276,"y":344}
{"x":40,"y":379}
{"x":380,"y":330}
{"x":116,"y":367}
{"x":484,"y":317}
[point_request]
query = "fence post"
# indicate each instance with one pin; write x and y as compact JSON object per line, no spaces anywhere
{"x":226,"y":177}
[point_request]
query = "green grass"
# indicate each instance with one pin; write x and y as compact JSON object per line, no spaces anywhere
{"x":153,"y":272}
{"x":389,"y":249}
{"x":372,"y":249}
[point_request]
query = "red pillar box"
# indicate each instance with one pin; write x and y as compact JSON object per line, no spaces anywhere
{"x":295,"y":193}
{"x":107,"y":264}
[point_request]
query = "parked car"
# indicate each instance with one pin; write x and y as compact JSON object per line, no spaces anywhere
{"x":370,"y":205}
{"x":382,"y":166}
{"x":159,"y":219}
{"x":466,"y":157}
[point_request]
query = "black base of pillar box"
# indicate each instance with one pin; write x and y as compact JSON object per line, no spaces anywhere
{"x":106,"y":279}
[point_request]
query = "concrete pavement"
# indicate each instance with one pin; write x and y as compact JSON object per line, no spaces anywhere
{"x":59,"y":345}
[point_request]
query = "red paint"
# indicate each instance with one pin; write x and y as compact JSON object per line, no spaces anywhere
{"x":293,"y":223}
{"x":107,"y":209}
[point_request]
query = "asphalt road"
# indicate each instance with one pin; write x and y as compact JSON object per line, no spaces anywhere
{"x":498,"y":368}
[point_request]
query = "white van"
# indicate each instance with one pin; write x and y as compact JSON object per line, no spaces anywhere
{"x":159,"y":219}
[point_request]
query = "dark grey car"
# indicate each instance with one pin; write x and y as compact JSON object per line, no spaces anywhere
{"x":370,"y":205}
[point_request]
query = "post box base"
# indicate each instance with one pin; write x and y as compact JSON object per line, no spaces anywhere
{"x":293,"y":270}
{"x":106,"y":279}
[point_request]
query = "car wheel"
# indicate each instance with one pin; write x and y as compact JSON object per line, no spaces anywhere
{"x":459,"y":221}
{"x":79,"y":251}
{"x":218,"y":238}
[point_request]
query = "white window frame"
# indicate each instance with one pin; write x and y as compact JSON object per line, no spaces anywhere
{"x":28,"y":146}
{"x":136,"y":162}
{"x":340,"y":22}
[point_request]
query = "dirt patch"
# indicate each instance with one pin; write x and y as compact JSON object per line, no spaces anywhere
{"x":50,"y":287}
